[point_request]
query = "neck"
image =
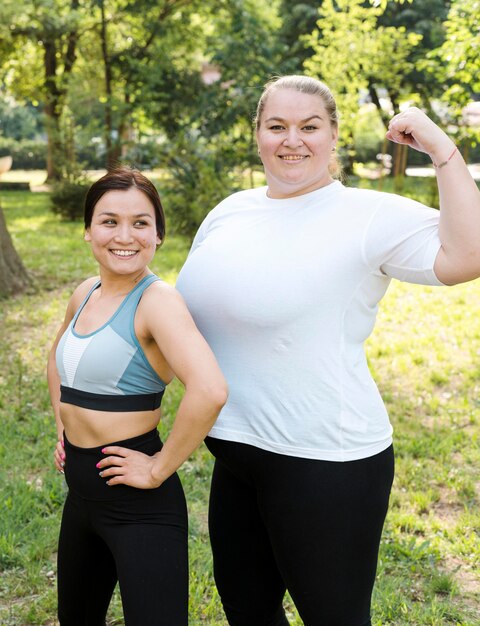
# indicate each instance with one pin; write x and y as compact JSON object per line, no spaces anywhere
{"x":117,"y":285}
{"x":284,"y":191}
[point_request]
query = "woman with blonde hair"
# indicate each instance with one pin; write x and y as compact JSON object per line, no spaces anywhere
{"x":284,"y":282}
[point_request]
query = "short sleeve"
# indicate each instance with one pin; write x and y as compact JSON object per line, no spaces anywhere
{"x":402,"y":240}
{"x":205,"y":226}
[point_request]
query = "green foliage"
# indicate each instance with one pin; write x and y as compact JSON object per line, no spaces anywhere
{"x":52,"y":27}
{"x":68,"y":197}
{"x":197,"y":179}
{"x":245,"y":50}
{"x":20,"y":134}
{"x":69,"y":190}
{"x":426,"y":18}
{"x":456,"y":63}
{"x":369,"y":134}
{"x":139,"y":71}
{"x":28,"y":154}
{"x":115,"y":78}
{"x":55,"y":257}
{"x":19,"y":122}
{"x":352,"y":52}
{"x":298,"y":19}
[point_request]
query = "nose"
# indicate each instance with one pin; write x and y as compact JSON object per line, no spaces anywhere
{"x":123,"y":233}
{"x":293,"y":138}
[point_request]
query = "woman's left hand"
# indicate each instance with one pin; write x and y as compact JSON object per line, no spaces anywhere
{"x":123,"y":466}
{"x":59,"y":456}
{"x":414,"y":128}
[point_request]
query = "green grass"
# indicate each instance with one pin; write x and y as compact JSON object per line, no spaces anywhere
{"x":425,"y":356}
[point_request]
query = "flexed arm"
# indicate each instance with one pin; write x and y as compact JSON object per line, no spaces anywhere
{"x":459,"y":257}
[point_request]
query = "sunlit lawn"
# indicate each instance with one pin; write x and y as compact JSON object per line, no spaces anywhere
{"x":425,"y":355}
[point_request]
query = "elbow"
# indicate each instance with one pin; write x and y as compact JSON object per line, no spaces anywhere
{"x":215,"y":395}
{"x":210,"y":393}
{"x":218,"y":395}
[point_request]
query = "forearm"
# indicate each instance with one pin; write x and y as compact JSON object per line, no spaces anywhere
{"x":195,"y":417}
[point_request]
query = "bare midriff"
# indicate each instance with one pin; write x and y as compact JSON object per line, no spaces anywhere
{"x":88,"y":428}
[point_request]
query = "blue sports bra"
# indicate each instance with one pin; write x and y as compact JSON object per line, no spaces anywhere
{"x":107,"y":370}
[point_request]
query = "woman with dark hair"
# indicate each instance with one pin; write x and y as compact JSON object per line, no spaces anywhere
{"x":284,"y":282}
{"x":126,"y":334}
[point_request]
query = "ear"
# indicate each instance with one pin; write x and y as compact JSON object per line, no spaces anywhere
{"x":335,"y":134}
{"x":87,"y":236}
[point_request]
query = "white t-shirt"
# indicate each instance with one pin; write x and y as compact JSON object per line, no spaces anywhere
{"x":285,"y":291}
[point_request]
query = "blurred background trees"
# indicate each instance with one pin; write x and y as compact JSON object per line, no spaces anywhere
{"x":171,"y":85}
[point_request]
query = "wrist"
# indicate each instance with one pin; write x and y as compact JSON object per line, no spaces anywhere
{"x":157,"y":473}
{"x":445,"y":155}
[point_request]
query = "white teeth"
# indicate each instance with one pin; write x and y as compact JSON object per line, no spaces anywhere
{"x":124,"y":252}
{"x":287,"y":157}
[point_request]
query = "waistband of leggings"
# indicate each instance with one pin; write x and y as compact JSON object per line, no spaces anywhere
{"x":82,"y":475}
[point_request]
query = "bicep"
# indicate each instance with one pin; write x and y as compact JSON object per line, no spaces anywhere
{"x":450,"y":272}
{"x":179,"y":340}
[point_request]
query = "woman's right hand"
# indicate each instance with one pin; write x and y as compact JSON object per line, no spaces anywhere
{"x":59,"y":456}
{"x":414,"y":128}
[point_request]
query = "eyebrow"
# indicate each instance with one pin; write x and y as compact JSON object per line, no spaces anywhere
{"x":113,"y":214}
{"x":307,"y":119}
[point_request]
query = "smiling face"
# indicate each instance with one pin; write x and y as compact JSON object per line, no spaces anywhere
{"x":123,"y":233}
{"x":295,"y":139}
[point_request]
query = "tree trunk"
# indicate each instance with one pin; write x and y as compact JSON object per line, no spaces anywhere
{"x":55,"y":83}
{"x":52,"y":111}
{"x":400,"y":151}
{"x":384,"y":116}
{"x":13,"y":276}
{"x":54,"y":144}
{"x":111,"y":157}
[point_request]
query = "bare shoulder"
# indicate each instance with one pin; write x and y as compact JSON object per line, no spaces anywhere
{"x":162,"y":292}
{"x":76,"y":300}
{"x":81,"y":291}
{"x":162,"y":305}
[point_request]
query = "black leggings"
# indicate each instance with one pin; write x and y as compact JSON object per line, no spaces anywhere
{"x":312,"y":527}
{"x":135,"y":536}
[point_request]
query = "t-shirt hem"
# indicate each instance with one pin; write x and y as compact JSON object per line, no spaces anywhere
{"x":303,"y":453}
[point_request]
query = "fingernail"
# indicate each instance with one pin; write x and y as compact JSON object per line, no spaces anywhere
{"x":62,"y":456}
{"x":103,"y":450}
{"x":100,"y":474}
{"x":98,"y":464}
{"x":62,"y":464}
